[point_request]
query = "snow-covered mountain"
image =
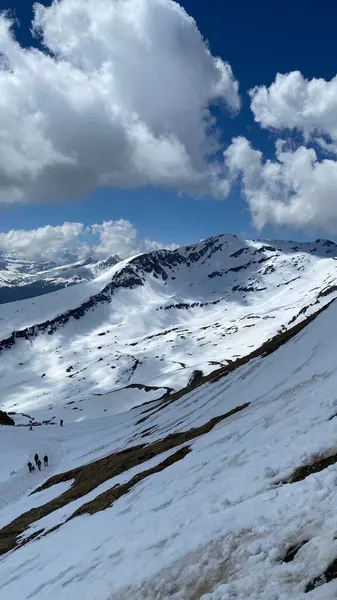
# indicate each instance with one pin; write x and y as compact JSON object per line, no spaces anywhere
{"x":143,"y":327}
{"x":21,"y":279}
{"x":223,"y":490}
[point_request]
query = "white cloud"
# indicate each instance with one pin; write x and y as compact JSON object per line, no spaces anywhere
{"x":74,"y":241}
{"x":293,"y":102}
{"x":295,"y":189}
{"x":298,"y":187}
{"x":122,"y":238}
{"x":119,"y":98}
{"x":44,"y":243}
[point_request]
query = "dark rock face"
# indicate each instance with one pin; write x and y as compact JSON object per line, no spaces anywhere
{"x":238,"y":252}
{"x":5,"y":419}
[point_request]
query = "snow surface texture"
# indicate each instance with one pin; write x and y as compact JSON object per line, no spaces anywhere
{"x":150,"y":321}
{"x":21,"y":279}
{"x":214,"y":526}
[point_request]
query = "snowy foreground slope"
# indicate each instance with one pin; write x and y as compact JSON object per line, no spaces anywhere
{"x":142,"y":328}
{"x":226,"y":492}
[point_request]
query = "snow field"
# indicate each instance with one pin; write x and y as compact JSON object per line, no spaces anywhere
{"x":215,"y":525}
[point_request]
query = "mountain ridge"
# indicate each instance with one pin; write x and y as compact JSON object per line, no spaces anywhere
{"x":148,"y":323}
{"x":155,"y":262}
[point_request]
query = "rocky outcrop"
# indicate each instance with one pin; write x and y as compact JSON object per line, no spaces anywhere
{"x":5,"y":419}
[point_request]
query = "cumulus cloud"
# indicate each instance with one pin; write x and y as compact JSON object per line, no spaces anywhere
{"x":74,"y":241}
{"x":120,"y":97}
{"x":298,"y":186}
{"x":44,"y":243}
{"x":295,"y":189}
{"x":293,"y":102}
{"x":122,"y":238}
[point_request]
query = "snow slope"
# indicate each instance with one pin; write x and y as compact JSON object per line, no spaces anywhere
{"x":21,"y":279}
{"x":215,"y":524}
{"x":150,"y":321}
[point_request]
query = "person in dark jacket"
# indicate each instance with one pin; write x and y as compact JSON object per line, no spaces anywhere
{"x":36,"y":457}
{"x":30,"y":466}
{"x":45,"y":460}
{"x":61,"y":422}
{"x":39,"y":464}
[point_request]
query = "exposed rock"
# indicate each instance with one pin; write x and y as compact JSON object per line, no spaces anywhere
{"x":5,"y":419}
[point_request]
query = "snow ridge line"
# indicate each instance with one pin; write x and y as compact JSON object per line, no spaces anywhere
{"x":129,"y":277}
{"x":125,"y":279}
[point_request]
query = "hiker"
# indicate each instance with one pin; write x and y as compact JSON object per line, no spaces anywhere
{"x":31,"y":428}
{"x":39,"y":464}
{"x":30,"y":466}
{"x":61,"y":422}
{"x":45,"y":460}
{"x":36,"y":457}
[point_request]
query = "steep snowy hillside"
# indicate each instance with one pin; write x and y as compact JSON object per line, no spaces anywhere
{"x":21,"y":279}
{"x":224,"y":492}
{"x":145,"y":326}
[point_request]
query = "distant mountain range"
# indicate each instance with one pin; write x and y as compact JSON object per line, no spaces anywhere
{"x":21,"y":279}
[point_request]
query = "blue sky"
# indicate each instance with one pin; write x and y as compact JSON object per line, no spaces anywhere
{"x":258,"y":39}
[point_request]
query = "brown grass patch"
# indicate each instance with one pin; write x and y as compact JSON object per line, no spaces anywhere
{"x":106,"y":499}
{"x":89,"y":477}
{"x":317,"y":465}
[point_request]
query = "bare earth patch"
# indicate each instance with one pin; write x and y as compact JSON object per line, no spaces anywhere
{"x":317,"y":465}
